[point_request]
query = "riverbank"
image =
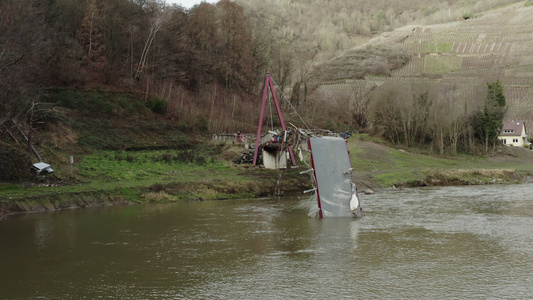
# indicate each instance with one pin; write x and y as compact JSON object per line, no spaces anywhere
{"x":211,"y":182}
{"x":136,"y":177}
{"x":379,"y":165}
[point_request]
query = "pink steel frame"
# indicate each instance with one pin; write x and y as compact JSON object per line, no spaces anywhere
{"x":270,"y":85}
{"x":320,"y":214}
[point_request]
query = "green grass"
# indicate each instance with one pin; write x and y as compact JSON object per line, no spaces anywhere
{"x":157,"y":176}
{"x":439,"y":47}
{"x":387,"y":165}
{"x":395,"y":166}
{"x":10,"y":187}
{"x":172,"y":175}
{"x":395,"y":178}
{"x":129,"y":172}
{"x":103,"y":134}
{"x":442,"y":64}
{"x":140,"y":165}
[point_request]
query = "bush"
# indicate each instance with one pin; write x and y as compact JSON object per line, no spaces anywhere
{"x":468,"y":15}
{"x":15,"y":164}
{"x":203,"y":125}
{"x":158,"y":105}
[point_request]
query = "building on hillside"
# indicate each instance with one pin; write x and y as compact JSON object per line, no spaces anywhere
{"x":514,"y":134}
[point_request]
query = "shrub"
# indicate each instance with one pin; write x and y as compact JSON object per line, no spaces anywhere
{"x":468,"y":15}
{"x":158,"y":105}
{"x":203,"y":125}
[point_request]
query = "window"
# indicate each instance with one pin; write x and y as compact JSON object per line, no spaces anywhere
{"x":504,"y":141}
{"x":508,"y":130}
{"x":515,"y":140}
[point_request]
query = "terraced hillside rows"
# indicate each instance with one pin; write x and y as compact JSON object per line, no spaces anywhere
{"x":495,"y":45}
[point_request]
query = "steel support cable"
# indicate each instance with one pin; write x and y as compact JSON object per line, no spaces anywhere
{"x":293,"y":108}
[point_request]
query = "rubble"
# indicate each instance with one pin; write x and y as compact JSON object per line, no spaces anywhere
{"x":247,"y":157}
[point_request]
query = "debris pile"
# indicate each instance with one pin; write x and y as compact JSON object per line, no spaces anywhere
{"x":247,"y":157}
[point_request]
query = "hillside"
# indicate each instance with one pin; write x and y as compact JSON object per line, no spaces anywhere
{"x":313,"y":31}
{"x":73,"y":107}
{"x":458,"y":56}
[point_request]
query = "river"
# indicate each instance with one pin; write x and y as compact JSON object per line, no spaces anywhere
{"x":472,"y":242}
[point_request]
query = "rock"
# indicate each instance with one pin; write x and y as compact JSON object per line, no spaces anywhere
{"x":247,"y":157}
{"x":369,"y":192}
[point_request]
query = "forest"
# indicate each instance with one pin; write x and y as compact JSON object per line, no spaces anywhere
{"x":143,"y":47}
{"x":204,"y":66}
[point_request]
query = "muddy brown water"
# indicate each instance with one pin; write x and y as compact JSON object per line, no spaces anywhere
{"x":426,"y":243}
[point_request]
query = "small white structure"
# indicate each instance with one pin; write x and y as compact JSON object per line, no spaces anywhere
{"x":275,"y":160}
{"x":514,"y":134}
{"x":41,"y":167}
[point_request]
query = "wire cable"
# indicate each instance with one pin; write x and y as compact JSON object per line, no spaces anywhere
{"x":286,"y":99}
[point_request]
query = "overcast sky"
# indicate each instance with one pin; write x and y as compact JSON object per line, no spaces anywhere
{"x":188,"y":3}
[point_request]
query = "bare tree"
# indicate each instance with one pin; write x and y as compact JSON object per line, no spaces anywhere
{"x":155,"y":26}
{"x":25,"y":45}
{"x":91,"y":36}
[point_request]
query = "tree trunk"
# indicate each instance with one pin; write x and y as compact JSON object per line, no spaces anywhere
{"x":30,"y":133}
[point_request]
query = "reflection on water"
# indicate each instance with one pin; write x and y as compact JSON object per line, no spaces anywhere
{"x":454,"y":242}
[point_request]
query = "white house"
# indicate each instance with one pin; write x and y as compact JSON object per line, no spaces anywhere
{"x":514,"y":134}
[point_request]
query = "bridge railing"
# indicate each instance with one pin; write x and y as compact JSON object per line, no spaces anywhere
{"x":234,"y":138}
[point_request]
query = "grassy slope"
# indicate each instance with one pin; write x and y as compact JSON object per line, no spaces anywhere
{"x":143,"y":174}
{"x":116,"y":177}
{"x":155,"y":175}
{"x":124,"y":152}
{"x":380,"y":165}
